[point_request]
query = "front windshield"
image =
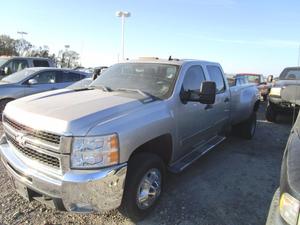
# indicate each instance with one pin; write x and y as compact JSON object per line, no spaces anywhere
{"x":153,"y":78}
{"x":18,"y":76}
{"x":290,"y":74}
{"x":2,"y":61}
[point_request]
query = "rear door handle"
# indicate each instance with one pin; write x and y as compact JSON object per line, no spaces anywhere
{"x":226,"y":100}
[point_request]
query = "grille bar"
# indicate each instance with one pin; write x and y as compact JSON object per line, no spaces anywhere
{"x":32,"y":154}
{"x":45,"y":136}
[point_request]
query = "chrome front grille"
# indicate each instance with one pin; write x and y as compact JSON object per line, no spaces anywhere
{"x":45,"y":136}
{"x":35,"y":155}
{"x":40,"y":146}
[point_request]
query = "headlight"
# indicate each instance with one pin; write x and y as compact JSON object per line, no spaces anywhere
{"x":276,"y":91}
{"x":289,"y":209}
{"x":95,"y":151}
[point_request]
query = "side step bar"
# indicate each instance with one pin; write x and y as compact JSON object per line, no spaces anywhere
{"x":188,"y":159}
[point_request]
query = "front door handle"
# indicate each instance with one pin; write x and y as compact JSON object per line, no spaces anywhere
{"x":226,"y":99}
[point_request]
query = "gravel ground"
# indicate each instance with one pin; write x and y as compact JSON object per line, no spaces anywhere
{"x":231,"y":185}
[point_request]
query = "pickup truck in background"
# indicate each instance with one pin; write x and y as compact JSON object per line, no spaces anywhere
{"x":285,"y":205}
{"x":12,"y":64}
{"x":109,"y":145}
{"x":289,"y":77}
{"x":259,"y":81}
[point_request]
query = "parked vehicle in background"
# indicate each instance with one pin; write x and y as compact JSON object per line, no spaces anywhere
{"x":12,"y":64}
{"x":113,"y":141}
{"x":285,"y":206}
{"x":289,"y":76}
{"x":98,"y":71}
{"x":35,"y":80}
{"x":260,"y":81}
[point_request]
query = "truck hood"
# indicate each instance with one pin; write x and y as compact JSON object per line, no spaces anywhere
{"x":284,"y":83}
{"x":73,"y":112}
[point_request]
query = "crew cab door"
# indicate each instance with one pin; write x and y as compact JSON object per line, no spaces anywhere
{"x":220,"y":110}
{"x":46,"y":81}
{"x":193,"y":117}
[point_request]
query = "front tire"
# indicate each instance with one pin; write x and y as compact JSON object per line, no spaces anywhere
{"x":143,"y":186}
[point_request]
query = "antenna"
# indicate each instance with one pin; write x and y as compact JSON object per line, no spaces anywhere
{"x":170,"y":57}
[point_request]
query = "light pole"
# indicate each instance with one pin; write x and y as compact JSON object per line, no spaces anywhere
{"x":22,"y":33}
{"x":122,"y":14}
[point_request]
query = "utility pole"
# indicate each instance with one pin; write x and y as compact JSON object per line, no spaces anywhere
{"x":123,"y":15}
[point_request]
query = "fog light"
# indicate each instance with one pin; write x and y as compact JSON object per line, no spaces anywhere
{"x":289,"y":208}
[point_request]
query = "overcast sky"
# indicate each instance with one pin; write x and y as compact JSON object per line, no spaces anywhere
{"x":258,"y":36}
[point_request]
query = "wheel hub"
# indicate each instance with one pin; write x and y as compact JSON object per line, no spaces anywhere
{"x":149,"y":189}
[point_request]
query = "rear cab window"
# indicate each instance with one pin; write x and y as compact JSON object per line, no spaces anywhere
{"x":216,"y":75}
{"x":40,"y":63}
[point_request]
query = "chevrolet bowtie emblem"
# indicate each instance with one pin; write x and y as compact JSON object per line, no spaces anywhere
{"x":20,"y":139}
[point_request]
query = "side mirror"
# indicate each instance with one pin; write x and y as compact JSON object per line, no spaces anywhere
{"x":207,"y":92}
{"x":270,"y":78}
{"x":32,"y":81}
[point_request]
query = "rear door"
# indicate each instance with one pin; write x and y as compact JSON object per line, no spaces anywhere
{"x":220,"y":110}
{"x":46,"y":81}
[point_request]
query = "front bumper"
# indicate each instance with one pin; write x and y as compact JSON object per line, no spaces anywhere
{"x":76,"y":190}
{"x":274,"y":217}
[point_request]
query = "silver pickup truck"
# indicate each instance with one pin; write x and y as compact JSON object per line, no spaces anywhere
{"x":109,"y":145}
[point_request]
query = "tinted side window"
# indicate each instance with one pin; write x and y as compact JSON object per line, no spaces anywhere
{"x":65,"y":77}
{"x":40,"y":63}
{"x":46,"y":77}
{"x":216,"y":76}
{"x":193,"y":78}
{"x":16,"y":65}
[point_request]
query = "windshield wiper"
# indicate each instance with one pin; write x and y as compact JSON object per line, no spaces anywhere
{"x":102,"y":87}
{"x":143,"y":93}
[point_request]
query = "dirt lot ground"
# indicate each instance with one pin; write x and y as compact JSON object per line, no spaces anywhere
{"x":231,"y":185}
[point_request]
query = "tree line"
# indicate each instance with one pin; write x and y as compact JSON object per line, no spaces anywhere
{"x":66,"y":58}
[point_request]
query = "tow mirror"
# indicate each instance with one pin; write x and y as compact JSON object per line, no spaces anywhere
{"x":270,"y":78}
{"x":32,"y":81}
{"x":207,"y":93}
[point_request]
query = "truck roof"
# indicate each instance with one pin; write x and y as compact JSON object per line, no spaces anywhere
{"x":171,"y":61}
{"x":23,"y":57}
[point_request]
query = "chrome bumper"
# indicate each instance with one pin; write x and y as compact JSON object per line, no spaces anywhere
{"x":78,"y":190}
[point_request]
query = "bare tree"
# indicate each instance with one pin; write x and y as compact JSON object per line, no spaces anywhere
{"x":68,"y":59}
{"x":7,"y":46}
{"x":22,"y":46}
